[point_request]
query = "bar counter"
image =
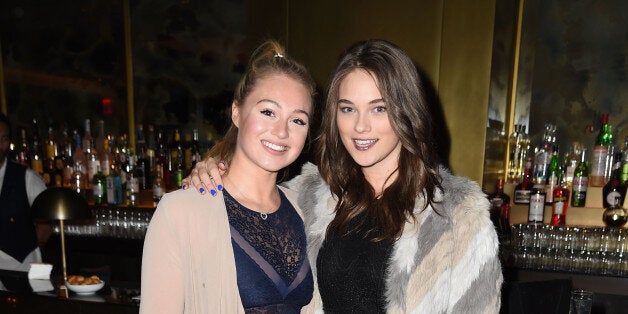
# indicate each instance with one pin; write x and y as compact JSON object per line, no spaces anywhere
{"x":18,"y":297}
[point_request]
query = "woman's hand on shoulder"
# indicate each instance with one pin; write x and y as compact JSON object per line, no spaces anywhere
{"x":206,"y":176}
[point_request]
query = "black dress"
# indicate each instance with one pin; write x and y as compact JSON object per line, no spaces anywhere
{"x":351,"y":272}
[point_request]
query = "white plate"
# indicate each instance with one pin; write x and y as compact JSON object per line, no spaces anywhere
{"x":85,"y":289}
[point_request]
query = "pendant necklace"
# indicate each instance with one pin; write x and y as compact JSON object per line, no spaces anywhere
{"x":263,"y":215}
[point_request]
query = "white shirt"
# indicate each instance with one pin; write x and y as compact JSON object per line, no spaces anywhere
{"x":34,"y":186}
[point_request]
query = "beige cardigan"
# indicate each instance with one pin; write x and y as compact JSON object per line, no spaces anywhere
{"x":188,"y":264}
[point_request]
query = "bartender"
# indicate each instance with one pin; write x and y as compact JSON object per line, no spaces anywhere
{"x":19,"y":186}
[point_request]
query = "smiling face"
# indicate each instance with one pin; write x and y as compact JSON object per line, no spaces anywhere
{"x":363,"y":123}
{"x":272,"y":123}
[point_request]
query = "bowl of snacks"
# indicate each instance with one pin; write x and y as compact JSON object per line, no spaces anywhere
{"x":83,"y":285}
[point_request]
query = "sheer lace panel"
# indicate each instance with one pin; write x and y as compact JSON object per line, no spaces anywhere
{"x":277,"y":239}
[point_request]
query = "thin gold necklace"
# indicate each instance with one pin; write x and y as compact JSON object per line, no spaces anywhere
{"x":261,"y":214}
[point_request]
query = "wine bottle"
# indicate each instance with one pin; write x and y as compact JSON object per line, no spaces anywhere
{"x":99,"y":187}
{"x":500,"y":209}
{"x":600,"y":153}
{"x":523,"y":189}
{"x":614,"y":188}
{"x":580,"y":181}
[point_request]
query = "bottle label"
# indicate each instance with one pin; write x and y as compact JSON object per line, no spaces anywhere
{"x":522,"y":196}
{"x":580,"y":184}
{"x":98,"y":190}
{"x":110,"y":190}
{"x":559,"y":207}
{"x":158,"y":192}
{"x":610,"y":198}
{"x":92,"y":167}
{"x":537,"y":205}
{"x":133,"y":185}
{"x":598,"y":164}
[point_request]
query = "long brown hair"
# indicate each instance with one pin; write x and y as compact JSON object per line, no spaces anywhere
{"x":402,"y":89}
{"x":269,"y":58}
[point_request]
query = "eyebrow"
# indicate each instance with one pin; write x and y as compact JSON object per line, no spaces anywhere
{"x":279,"y":105}
{"x":374,"y":101}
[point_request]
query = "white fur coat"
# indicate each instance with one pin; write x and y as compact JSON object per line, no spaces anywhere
{"x":447,"y":262}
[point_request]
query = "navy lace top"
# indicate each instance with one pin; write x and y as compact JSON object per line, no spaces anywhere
{"x":274,"y":274}
{"x":351,"y":272}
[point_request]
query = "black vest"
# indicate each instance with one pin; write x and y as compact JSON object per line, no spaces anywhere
{"x":17,"y":227}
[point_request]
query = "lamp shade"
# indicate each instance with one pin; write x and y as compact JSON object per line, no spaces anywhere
{"x":60,"y":204}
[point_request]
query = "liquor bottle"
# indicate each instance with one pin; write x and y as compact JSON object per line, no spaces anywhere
{"x":537,"y":204}
{"x":571,"y":161}
{"x":519,"y":145}
{"x":78,"y":180}
{"x":543,"y":154}
{"x":161,"y":158}
{"x":560,"y":203}
{"x":142,"y":162}
{"x":553,"y":174}
{"x":133,"y":183}
{"x":500,"y":209}
{"x":195,"y":150}
{"x":176,"y":161}
{"x":66,"y":150}
{"x":580,"y":181}
{"x":158,"y":187}
{"x":50,"y":169}
{"x":23,"y":152}
{"x":37,"y":155}
{"x":614,"y":188}
{"x":99,"y":187}
{"x":624,"y":165}
{"x":150,"y":152}
{"x":106,"y":158}
{"x":523,"y":189}
{"x":600,"y":153}
{"x":114,"y":186}
{"x":87,"y":137}
{"x":615,"y":215}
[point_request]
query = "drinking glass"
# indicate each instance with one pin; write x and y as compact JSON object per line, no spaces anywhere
{"x":580,"y":302}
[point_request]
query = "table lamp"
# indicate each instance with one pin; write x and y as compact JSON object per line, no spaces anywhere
{"x":61,"y":204}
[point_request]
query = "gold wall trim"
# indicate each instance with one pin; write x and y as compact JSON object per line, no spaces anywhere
{"x":129,"y":74}
{"x":512,"y":88}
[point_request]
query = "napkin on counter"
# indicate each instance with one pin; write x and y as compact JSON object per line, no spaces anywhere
{"x":39,"y":271}
{"x":40,"y":285}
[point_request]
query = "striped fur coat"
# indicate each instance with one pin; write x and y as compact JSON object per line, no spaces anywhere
{"x":444,"y":263}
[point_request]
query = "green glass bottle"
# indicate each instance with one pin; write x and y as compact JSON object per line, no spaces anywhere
{"x":99,"y":187}
{"x":580,"y":181}
{"x":598,"y":175}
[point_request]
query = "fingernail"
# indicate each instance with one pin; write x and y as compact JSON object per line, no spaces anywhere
{"x":202,"y":190}
{"x":184,"y":187}
{"x":213,"y":192}
{"x":219,"y":187}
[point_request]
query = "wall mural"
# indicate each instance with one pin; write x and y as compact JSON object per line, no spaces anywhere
{"x":63,"y":58}
{"x":573,"y":67}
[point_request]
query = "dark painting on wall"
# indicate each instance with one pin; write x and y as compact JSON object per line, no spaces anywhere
{"x":63,"y":59}
{"x":574,"y":68}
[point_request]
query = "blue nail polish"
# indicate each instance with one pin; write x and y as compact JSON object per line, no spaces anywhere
{"x":202,"y":190}
{"x":213,"y":192}
{"x":219,"y":187}
{"x":184,"y":187}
